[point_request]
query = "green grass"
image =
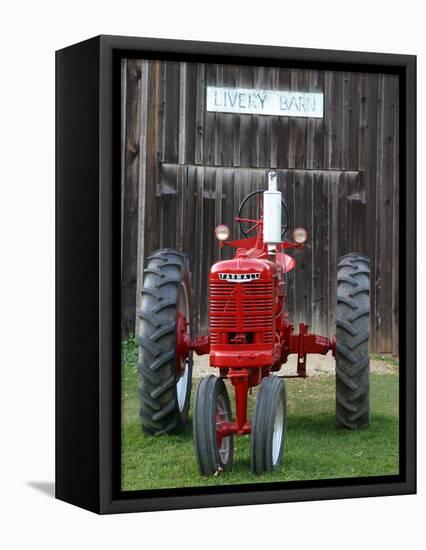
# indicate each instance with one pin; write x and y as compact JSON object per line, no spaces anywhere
{"x":386,"y":358}
{"x":315,"y":449}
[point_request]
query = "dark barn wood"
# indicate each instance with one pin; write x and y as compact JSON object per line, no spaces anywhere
{"x":186,"y":169}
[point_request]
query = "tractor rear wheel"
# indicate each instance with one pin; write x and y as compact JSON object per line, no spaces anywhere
{"x":352,"y":342}
{"x":268,"y":430}
{"x":165,"y":378}
{"x":213,"y":452}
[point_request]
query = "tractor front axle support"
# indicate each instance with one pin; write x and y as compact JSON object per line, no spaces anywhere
{"x":304,"y":343}
{"x":184,"y":343}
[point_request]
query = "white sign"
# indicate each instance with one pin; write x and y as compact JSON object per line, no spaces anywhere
{"x":264,"y":102}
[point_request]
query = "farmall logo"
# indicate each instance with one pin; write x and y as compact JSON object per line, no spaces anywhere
{"x":239,"y":277}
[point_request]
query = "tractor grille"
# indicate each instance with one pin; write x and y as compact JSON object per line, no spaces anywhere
{"x":241,"y":307}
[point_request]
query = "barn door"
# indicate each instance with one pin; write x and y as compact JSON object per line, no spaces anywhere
{"x":184,"y":169}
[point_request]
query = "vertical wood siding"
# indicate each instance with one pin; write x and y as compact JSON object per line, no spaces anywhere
{"x":186,"y":169}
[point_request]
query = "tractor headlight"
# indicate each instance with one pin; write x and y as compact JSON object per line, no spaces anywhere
{"x":222,"y":232}
{"x":300,"y":235}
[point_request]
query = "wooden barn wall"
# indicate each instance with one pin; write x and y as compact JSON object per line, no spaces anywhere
{"x":185,"y":169}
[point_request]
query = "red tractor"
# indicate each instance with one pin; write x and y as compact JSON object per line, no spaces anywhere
{"x":250,"y":339}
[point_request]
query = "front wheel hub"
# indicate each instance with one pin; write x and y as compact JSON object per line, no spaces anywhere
{"x":183,"y":343}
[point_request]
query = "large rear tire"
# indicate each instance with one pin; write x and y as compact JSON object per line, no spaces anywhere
{"x":165,"y":386}
{"x":352,"y":342}
{"x":212,"y":406}
{"x":269,"y":426}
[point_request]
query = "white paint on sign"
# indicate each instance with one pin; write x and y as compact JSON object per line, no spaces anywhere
{"x":264,"y":102}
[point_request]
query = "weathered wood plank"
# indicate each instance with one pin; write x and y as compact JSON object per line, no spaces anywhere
{"x":395,"y":227}
{"x":333,"y":111}
{"x":336,"y":180}
{"x":310,"y":260}
{"x":171,"y":109}
{"x":227,"y":128}
{"x":319,"y":239}
{"x":378,"y":234}
{"x":345,"y":121}
{"x":368,"y":165}
{"x":292,"y":153}
{"x":342,"y":226}
{"x":255,"y":122}
{"x":199,"y":252}
{"x":217,"y":120}
{"x":315,"y":126}
{"x":167,"y":205}
{"x":353,"y":114}
{"x":210,"y":133}
{"x":291,"y":278}
{"x":262,"y":142}
{"x":356,"y":234}
{"x":387,"y":91}
{"x":218,"y":211}
{"x":142,"y":185}
{"x":183,"y":78}
{"x":123,"y":131}
{"x":300,"y":83}
{"x":130,"y":183}
{"x":229,"y":208}
{"x":363,"y":121}
{"x":191,"y":112}
{"x":181,"y":218}
{"x":200,"y":115}
{"x":207,"y":243}
{"x":245,"y":79}
{"x":153,"y":146}
{"x":190,"y":221}
{"x":283,"y":130}
{"x":275,"y":85}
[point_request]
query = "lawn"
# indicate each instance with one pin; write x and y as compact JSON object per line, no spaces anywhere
{"x":315,"y":449}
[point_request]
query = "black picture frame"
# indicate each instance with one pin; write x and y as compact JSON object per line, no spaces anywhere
{"x":87,"y":276}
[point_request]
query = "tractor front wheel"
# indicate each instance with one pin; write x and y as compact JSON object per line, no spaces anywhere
{"x":352,"y":342}
{"x":268,"y":430}
{"x":213,"y":451}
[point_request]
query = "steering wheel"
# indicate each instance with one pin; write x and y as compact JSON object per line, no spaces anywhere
{"x":254,"y":223}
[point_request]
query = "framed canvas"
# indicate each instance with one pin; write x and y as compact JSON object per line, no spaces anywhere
{"x":236,"y":292}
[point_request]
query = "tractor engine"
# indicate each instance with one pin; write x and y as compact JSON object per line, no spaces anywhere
{"x":244,"y":304}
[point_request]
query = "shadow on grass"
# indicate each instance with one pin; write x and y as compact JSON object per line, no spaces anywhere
{"x":326,"y":423}
{"x":298,"y":425}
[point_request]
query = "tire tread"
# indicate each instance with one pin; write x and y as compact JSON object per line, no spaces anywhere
{"x":352,"y":336}
{"x":271,"y":389}
{"x":159,"y":410}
